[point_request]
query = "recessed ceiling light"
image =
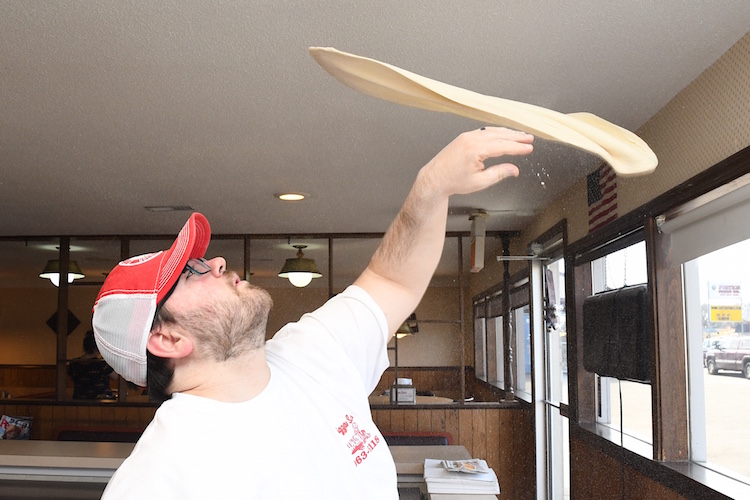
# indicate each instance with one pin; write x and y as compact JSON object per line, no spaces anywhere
{"x":291,"y":196}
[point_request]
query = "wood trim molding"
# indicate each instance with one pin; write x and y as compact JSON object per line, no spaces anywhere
{"x":668,"y":381}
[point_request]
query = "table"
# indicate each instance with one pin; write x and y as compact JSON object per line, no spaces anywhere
{"x":86,"y":467}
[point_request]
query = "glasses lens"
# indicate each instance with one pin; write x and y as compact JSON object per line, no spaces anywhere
{"x":198,"y":266}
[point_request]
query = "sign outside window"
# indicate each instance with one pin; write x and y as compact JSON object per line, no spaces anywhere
{"x":725,"y":301}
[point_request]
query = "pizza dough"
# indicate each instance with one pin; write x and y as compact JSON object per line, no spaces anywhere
{"x":627,"y":153}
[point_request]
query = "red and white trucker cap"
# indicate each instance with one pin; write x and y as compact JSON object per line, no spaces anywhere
{"x":125,"y":308}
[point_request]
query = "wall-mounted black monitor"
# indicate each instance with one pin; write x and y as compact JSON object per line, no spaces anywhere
{"x":615,"y":334}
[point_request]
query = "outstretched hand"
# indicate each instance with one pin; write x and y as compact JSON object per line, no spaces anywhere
{"x":403,"y":264}
{"x":460,"y":169}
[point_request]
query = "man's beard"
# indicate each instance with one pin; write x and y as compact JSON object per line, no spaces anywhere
{"x":230,"y":325}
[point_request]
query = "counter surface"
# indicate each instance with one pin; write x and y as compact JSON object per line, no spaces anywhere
{"x":79,"y":462}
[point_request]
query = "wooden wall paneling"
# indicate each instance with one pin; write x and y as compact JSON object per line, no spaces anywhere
{"x":451,"y":423}
{"x":599,"y":469}
{"x":397,"y":421}
{"x":147,"y":414}
{"x":108,"y":416}
{"x":594,"y":474}
{"x":506,"y":447}
{"x":46,"y":427}
{"x":95,"y":415}
{"x":70,"y":415}
{"x":58,"y":417}
{"x":437,"y":420}
{"x":581,"y":383}
{"x":424,"y":420}
{"x":39,"y":417}
{"x":668,"y":381}
{"x":479,"y":433}
{"x":639,"y":487}
{"x":48,"y":418}
{"x":411,"y":420}
{"x":23,"y":380}
{"x":382,"y":418}
{"x":524,"y":464}
{"x":465,"y":435}
{"x":492,"y":453}
{"x":132,"y":416}
{"x":503,"y":437}
{"x":82,"y":418}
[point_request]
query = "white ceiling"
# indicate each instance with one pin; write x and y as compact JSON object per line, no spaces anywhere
{"x":111,"y":106}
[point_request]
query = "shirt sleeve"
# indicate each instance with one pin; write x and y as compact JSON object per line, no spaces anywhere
{"x":349,"y":325}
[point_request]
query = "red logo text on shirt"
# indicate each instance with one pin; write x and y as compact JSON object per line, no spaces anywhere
{"x":360,"y":442}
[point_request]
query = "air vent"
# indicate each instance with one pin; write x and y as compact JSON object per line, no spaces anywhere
{"x":170,"y":208}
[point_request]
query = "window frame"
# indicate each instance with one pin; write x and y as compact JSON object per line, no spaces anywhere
{"x":669,"y":452}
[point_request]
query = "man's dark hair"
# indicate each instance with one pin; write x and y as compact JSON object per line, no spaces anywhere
{"x":159,"y":371}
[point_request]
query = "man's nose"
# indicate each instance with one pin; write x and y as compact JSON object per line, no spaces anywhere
{"x":218,"y":266}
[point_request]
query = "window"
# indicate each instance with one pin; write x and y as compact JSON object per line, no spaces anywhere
{"x":480,"y":341}
{"x":710,"y":239}
{"x":522,"y":351}
{"x":556,"y":381}
{"x":28,"y":306}
{"x":556,"y":344}
{"x":717,"y":289}
{"x":489,"y":346}
{"x":623,"y":405}
{"x":498,"y":373}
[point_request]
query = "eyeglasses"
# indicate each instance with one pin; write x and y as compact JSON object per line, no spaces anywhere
{"x":197,"y":267}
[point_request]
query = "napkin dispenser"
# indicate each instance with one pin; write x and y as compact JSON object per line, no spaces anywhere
{"x":405,"y":391}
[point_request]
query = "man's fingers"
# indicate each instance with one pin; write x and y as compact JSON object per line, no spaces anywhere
{"x":507,"y":133}
{"x":492,"y":175}
{"x":507,"y":142}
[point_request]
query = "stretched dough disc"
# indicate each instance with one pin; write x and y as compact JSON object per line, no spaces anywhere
{"x":627,"y":153}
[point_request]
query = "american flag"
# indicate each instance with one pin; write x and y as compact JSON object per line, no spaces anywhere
{"x":602,"y":194}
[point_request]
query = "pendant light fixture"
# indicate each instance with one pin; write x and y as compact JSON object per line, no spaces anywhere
{"x":408,"y":327}
{"x":52,"y":272}
{"x":300,"y":271}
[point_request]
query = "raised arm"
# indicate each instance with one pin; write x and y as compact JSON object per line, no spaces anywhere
{"x":405,"y":260}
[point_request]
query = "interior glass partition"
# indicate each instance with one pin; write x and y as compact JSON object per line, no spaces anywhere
{"x":28,"y":326}
{"x":267,"y":257}
{"x":28,"y":303}
{"x":96,"y":258}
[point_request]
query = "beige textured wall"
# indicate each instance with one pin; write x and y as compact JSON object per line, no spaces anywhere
{"x":438,"y":342}
{"x":704,"y":123}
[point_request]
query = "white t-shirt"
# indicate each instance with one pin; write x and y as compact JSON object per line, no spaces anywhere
{"x":309,"y":434}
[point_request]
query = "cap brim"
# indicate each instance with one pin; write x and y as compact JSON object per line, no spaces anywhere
{"x":191,"y":243}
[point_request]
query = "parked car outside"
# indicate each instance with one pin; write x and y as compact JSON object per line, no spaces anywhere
{"x":731,"y":353}
{"x":709,"y":343}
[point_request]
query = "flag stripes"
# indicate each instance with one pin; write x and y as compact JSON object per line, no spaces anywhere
{"x":602,"y":197}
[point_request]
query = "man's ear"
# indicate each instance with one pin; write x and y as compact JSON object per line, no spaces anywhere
{"x":169,"y":343}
